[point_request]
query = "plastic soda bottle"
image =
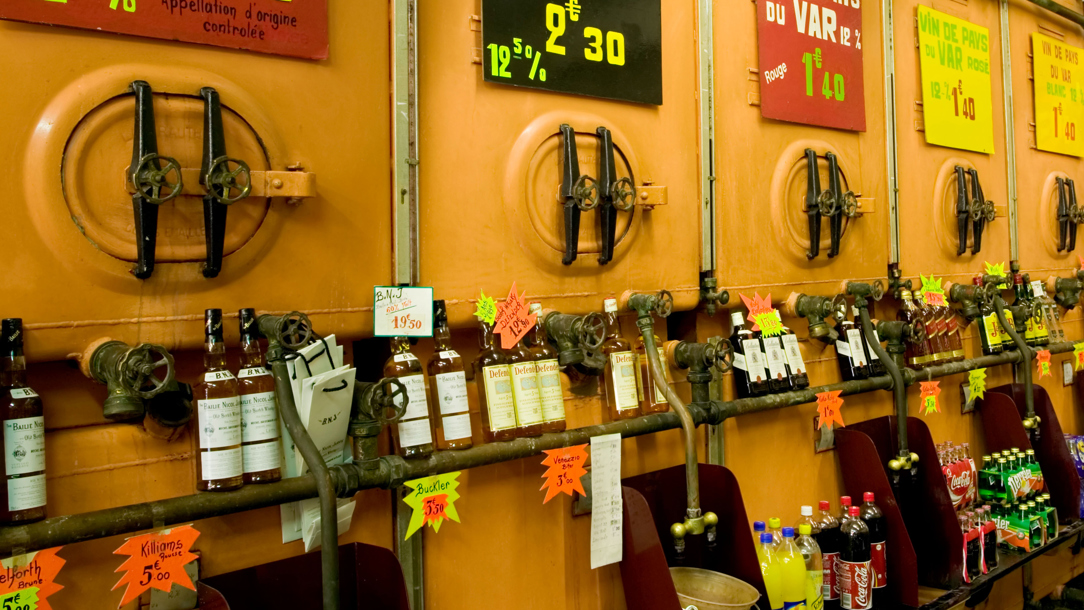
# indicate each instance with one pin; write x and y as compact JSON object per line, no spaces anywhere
{"x":814,"y":568}
{"x":774,"y":525}
{"x":771,"y":570}
{"x":794,"y":573}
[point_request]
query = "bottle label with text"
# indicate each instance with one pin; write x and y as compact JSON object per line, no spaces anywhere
{"x":452,"y":393}
{"x":456,"y":427}
{"x":777,"y":358}
{"x":417,"y":403}
{"x":222,"y":464}
{"x":754,"y":360}
{"x":623,"y":379}
{"x":855,"y":585}
{"x":259,"y":418}
{"x":831,"y":582}
{"x":550,"y":391}
{"x":794,"y":354}
{"x":879,"y":564}
{"x":858,"y":350}
{"x":24,"y":462}
{"x":259,"y":457}
{"x":525,"y":392}
{"x":253,"y":371}
{"x":219,"y":423}
{"x":499,"y":399}
{"x":218,"y":376}
{"x":415,"y":432}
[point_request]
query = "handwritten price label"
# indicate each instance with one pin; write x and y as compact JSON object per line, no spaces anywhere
{"x":932,"y":292}
{"x":1043,"y":363}
{"x":1059,"y":96}
{"x":976,"y":383}
{"x":1078,"y":356}
{"x":565,"y":470}
{"x":432,"y":499}
{"x":26,"y":599}
{"x":830,"y":409}
{"x":930,"y":391}
{"x":156,"y":560}
{"x":401,"y":311}
{"x":26,"y":581}
{"x":764,"y":318}
{"x":513,"y":320}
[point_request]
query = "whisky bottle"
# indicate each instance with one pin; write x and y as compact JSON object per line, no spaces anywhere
{"x":795,"y":361}
{"x":493,"y":377}
{"x":22,"y":499}
{"x":953,"y":333}
{"x":619,"y":376}
{"x":876,"y":366}
{"x":851,"y":352}
{"x":525,"y":389}
{"x":448,"y":384}
{"x":750,"y":379}
{"x":550,"y":391}
{"x":1031,"y":337}
{"x":413,"y":435}
{"x":939,"y":353}
{"x":261,"y":451}
{"x":218,"y":411}
{"x":918,"y":352}
{"x":779,"y":373}
{"x":992,"y":342}
{"x":652,"y":397}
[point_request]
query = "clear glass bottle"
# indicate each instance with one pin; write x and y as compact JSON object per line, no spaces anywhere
{"x":525,"y":389}
{"x":448,"y":385}
{"x":550,"y":390}
{"x":493,"y":377}
{"x":22,"y":498}
{"x":619,"y":377}
{"x":413,"y":435}
{"x":652,"y":397}
{"x":219,"y":461}
{"x":261,"y":449}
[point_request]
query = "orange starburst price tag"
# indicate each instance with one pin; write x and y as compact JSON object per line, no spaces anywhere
{"x":830,"y":409}
{"x":30,"y":579}
{"x":513,"y":320}
{"x":930,"y":391}
{"x":1043,"y":363}
{"x":565,"y":470}
{"x":156,"y":560}
{"x":764,"y":318}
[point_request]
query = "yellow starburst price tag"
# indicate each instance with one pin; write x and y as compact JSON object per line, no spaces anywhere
{"x":432,"y":499}
{"x":487,"y":309}
{"x":976,"y":382}
{"x":1078,"y":356}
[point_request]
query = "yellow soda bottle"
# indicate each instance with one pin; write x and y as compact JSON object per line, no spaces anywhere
{"x":793,"y":569}
{"x":771,"y":570}
{"x":814,"y":567}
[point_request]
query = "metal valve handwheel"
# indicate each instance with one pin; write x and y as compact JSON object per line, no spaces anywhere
{"x":150,"y":179}
{"x":850,"y":204}
{"x":917,"y":330}
{"x":724,"y":356}
{"x":827,"y":203}
{"x":585,"y":193}
{"x":877,"y":291}
{"x":388,"y":401}
{"x":1076,"y":214}
{"x":838,"y":308}
{"x":592,"y":331}
{"x":989,"y":211}
{"x":137,"y":370}
{"x":664,"y":304}
{"x":222,"y":181}
{"x":624,"y":194}
{"x":1036,"y":310}
{"x":295,"y":330}
{"x":986,"y":294}
{"x":976,"y":210}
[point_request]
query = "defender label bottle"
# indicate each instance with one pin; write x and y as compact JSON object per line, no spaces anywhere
{"x":550,"y":391}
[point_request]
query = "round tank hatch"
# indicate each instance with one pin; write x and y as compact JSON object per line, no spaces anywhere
{"x":99,"y":152}
{"x":788,"y":201}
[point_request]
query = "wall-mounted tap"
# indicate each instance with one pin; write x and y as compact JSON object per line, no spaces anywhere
{"x":578,"y":192}
{"x":132,"y":375}
{"x":711,"y":297}
{"x":817,"y":310}
{"x":969,"y":297}
{"x":1066,"y":289}
{"x":896,"y":283}
{"x":577,"y":338}
{"x":700,"y":359}
{"x":375,"y":405}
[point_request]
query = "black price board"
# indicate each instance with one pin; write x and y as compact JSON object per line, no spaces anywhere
{"x":601,"y":48}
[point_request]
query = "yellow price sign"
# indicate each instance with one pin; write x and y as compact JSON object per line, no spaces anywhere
{"x":954,"y":56}
{"x":1059,"y":95}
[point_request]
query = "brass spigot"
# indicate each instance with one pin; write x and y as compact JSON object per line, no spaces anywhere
{"x":131,"y":375}
{"x":1066,"y":290}
{"x":817,"y":310}
{"x":709,"y":295}
{"x":374,"y":406}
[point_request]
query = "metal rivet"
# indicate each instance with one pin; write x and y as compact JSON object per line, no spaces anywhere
{"x":276,"y":183}
{"x":643,"y":195}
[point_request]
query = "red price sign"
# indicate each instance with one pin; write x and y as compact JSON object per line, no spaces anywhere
{"x":811,"y":62}
{"x":33,"y":575}
{"x":295,"y":29}
{"x":513,"y":320}
{"x":565,"y":470}
{"x":156,"y":560}
{"x":830,"y":409}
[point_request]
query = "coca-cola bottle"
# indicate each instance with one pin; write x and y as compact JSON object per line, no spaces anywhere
{"x":828,"y":540}
{"x":855,"y":571}
{"x":844,"y":509}
{"x":989,"y":537}
{"x":878,"y":542}
{"x":972,"y":544}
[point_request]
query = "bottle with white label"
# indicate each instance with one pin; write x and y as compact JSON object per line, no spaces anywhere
{"x":448,"y":386}
{"x":876,"y":367}
{"x":413,"y":435}
{"x":750,"y":376}
{"x":219,"y":461}
{"x":525,"y":390}
{"x":775,"y":360}
{"x":851,"y":352}
{"x":550,"y":390}
{"x":261,"y":451}
{"x":795,"y":362}
{"x":493,"y":378}
{"x":22,"y":498}
{"x":619,"y":376}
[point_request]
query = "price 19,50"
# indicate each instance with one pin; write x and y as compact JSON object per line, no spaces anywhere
{"x":406,"y":322}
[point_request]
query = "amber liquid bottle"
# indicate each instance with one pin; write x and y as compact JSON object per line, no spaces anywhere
{"x":652,"y":397}
{"x":493,"y":377}
{"x":218,"y":408}
{"x":22,"y":499}
{"x":935,"y":334}
{"x":918,"y":352}
{"x":550,"y":391}
{"x":261,"y":451}
{"x":413,"y":435}
{"x":619,"y":376}
{"x":525,"y":390}
{"x":448,"y":384}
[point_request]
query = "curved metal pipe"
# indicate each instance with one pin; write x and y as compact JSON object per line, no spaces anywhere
{"x":899,"y":388}
{"x":1021,"y":347}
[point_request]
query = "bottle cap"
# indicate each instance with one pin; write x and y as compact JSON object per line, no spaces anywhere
{"x":758,"y":526}
{"x":774,"y":523}
{"x":765,"y":538}
{"x":867,"y":497}
{"x":824,"y":505}
{"x":854,"y":511}
{"x":533,"y":308}
{"x":610,"y":305}
{"x":788,"y":532}
{"x":804,"y":529}
{"x":248,"y":322}
{"x":1002,"y":461}
{"x":807,"y":511}
{"x":1030,"y":452}
{"x":1015,"y":450}
{"x":737,"y":318}
{"x":845,"y":501}
{"x":905,"y":294}
{"x":440,"y":312}
{"x":212,"y":322}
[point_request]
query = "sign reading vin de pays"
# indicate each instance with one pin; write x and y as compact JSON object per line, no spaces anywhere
{"x":1059,"y":95}
{"x":954,"y":56}
{"x":601,"y":48}
{"x":296,"y":28}
{"x":811,"y":62}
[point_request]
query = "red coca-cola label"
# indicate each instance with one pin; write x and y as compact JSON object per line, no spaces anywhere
{"x":830,"y":587}
{"x":967,"y":577}
{"x":960,"y":478}
{"x":855,"y":585}
{"x":879,"y":563}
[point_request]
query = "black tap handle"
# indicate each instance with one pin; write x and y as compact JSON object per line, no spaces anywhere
{"x":836,"y":188}
{"x":214,"y":212}
{"x":144,"y":145}
{"x":1074,"y":213}
{"x":962,"y":209}
{"x":570,"y":165}
{"x":978,"y":219}
{"x":1063,"y":214}
{"x":607,"y":178}
{"x":812,"y":203}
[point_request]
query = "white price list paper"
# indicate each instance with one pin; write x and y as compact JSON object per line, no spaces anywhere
{"x":402,"y":311}
{"x":606,"y":503}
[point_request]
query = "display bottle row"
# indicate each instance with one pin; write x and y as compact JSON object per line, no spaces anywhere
{"x":856,"y":356}
{"x":765,"y":365}
{"x":943,"y":342}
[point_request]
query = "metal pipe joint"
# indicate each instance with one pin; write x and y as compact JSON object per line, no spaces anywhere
{"x":817,"y":310}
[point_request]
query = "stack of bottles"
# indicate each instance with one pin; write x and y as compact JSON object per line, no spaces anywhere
{"x":1036,"y":330}
{"x":943,"y":342}
{"x":1012,"y":483}
{"x":765,"y":365}
{"x":961,"y":476}
{"x":857,"y":358}
{"x":844,"y":558}
{"x":976,"y":522}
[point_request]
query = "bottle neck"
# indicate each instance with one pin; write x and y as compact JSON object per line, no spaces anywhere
{"x":14,"y":369}
{"x":400,"y":345}
{"x":613,"y":329}
{"x":486,"y":337}
{"x":442,"y":337}
{"x":251,"y":355}
{"x":214,"y":353}
{"x":540,"y":338}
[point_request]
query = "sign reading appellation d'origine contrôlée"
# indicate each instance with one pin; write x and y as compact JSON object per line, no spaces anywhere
{"x":811,"y":62}
{"x":295,"y":28}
